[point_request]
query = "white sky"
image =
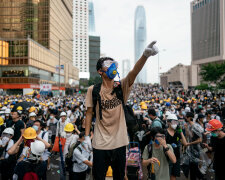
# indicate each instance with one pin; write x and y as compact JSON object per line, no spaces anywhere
{"x":168,"y":22}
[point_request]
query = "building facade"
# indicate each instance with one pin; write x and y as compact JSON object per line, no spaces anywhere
{"x":32,"y":31}
{"x":94,"y":55}
{"x":180,"y":76}
{"x":207,"y":32}
{"x":80,"y":36}
{"x":140,"y":41}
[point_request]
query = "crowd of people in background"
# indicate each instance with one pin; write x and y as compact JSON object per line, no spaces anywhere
{"x":176,"y":129}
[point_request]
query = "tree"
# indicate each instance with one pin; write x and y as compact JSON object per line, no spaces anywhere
{"x":94,"y":80}
{"x":213,"y":73}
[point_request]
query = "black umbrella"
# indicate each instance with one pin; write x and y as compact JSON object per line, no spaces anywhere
{"x":25,"y":105}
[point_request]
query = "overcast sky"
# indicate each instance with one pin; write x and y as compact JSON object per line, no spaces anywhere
{"x":168,"y":22}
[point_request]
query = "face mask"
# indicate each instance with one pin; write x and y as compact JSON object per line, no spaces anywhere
{"x":111,"y":71}
{"x":35,"y":127}
{"x":214,"y":134}
{"x":174,"y":126}
{"x":4,"y":141}
{"x":51,"y":117}
{"x":7,"y":115}
{"x":157,"y":142}
{"x":68,"y":135}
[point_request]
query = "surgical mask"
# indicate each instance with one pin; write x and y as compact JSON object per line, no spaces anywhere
{"x":5,"y":140}
{"x":35,"y":127}
{"x":68,"y":135}
{"x":111,"y":71}
{"x":214,"y":134}
{"x":174,"y":126}
{"x":51,"y":117}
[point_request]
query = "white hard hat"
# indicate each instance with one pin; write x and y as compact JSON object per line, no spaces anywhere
{"x":9,"y":131}
{"x":37,"y":147}
{"x":4,"y":108}
{"x":187,"y":109}
{"x":7,"y":111}
{"x":62,"y":114}
{"x":167,"y":113}
{"x":32,"y":114}
{"x":172,"y":117}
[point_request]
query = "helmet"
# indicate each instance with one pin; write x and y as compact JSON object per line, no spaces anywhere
{"x":7,"y":111}
{"x":187,"y":109}
{"x":168,"y":104}
{"x":32,"y":114}
{"x":37,"y":147}
{"x":213,"y":125}
{"x":167,"y":113}
{"x":144,"y":106}
{"x":69,"y":127}
{"x":1,"y":121}
{"x":62,"y":114}
{"x":19,"y":108}
{"x":172,"y":117}
{"x":9,"y":131}
{"x":30,"y":133}
{"x":32,"y":109}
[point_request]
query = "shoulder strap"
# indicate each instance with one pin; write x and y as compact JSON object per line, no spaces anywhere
{"x":43,"y":134}
{"x":97,"y":98}
{"x":119,"y":92}
{"x":79,"y":149}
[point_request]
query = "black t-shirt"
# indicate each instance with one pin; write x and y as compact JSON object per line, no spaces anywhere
{"x":174,"y":141}
{"x":17,"y":126}
{"x":218,"y":146}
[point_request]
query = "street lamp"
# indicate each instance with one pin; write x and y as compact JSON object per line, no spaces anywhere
{"x":163,"y":50}
{"x":59,"y":56}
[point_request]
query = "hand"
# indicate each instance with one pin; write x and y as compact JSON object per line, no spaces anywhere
{"x":151,"y":50}
{"x":153,"y":160}
{"x":188,"y":144}
{"x":206,"y":145}
{"x":162,"y":141}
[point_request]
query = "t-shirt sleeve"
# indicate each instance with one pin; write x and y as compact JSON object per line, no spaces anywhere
{"x":88,"y":100}
{"x":126,"y":88}
{"x":145,"y":154}
{"x":156,"y":124}
{"x":22,"y":126}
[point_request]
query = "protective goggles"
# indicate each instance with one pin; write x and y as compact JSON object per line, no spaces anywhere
{"x":6,"y":135}
{"x":108,"y":63}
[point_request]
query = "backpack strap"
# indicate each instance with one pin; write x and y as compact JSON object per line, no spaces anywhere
{"x":119,"y":92}
{"x":97,"y":98}
{"x":43,"y":134}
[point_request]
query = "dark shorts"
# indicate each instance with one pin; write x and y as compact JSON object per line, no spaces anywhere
{"x":102,"y":159}
{"x":175,"y":168}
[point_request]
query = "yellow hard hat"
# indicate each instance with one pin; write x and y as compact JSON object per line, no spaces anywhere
{"x":1,"y":121}
{"x":19,"y":108}
{"x":141,"y":103}
{"x":69,"y":127}
{"x":32,"y":109}
{"x":29,"y":133}
{"x":5,"y":103}
{"x":205,"y":97}
{"x":0,"y":104}
{"x":11,"y":106}
{"x":51,"y":104}
{"x":144,"y":107}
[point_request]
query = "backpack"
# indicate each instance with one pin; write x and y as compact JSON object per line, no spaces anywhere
{"x":161,"y":121}
{"x":30,"y":176}
{"x":131,"y":120}
{"x":69,"y":156}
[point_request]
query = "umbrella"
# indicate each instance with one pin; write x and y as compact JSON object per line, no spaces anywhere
{"x":24,"y":105}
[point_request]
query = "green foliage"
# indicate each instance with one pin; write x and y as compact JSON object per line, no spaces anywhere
{"x":213,"y":73}
{"x":95,"y":80}
{"x":202,"y":87}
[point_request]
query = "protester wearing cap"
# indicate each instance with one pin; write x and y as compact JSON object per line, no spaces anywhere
{"x":8,"y":115}
{"x":174,"y":137}
{"x":217,"y":145}
{"x":156,"y":122}
{"x":61,"y":124}
{"x":7,"y":162}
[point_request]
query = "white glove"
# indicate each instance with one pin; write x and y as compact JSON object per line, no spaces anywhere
{"x":151,"y":50}
{"x":88,"y":141}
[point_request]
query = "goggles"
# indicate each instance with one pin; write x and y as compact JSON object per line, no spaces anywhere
{"x":6,"y":135}
{"x":108,"y":63}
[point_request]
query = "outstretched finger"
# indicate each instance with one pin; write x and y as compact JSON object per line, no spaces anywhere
{"x":151,"y":44}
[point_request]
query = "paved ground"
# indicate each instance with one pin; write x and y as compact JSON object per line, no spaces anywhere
{"x":54,"y":173}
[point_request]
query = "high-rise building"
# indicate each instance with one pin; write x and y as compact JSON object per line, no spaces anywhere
{"x":125,"y":67}
{"x":140,"y":40}
{"x":207,"y":32}
{"x":80,"y":34}
{"x":91,"y":18}
{"x":30,"y":33}
{"x":94,"y":54}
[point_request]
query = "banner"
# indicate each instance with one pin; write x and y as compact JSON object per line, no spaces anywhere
{"x":45,"y":87}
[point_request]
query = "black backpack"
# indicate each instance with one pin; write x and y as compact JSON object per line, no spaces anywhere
{"x":131,"y":120}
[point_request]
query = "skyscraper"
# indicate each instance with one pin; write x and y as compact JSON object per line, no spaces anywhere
{"x":207,"y":32}
{"x":80,"y":34}
{"x":30,"y":33}
{"x":140,"y":40}
{"x":91,"y":18}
